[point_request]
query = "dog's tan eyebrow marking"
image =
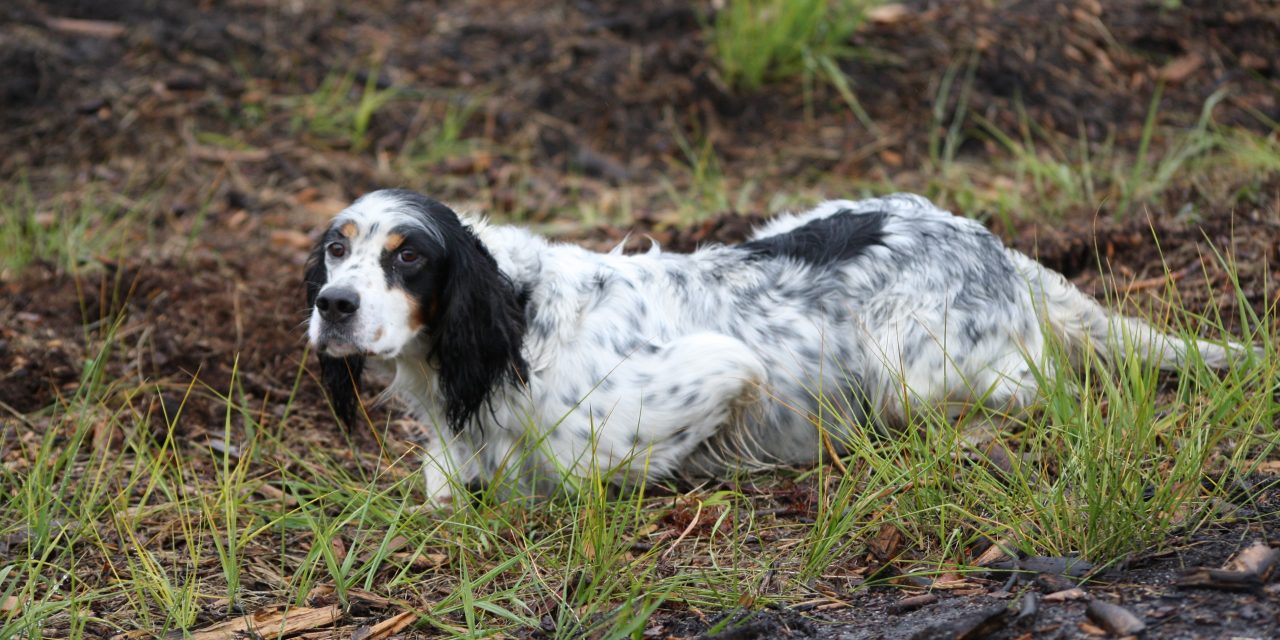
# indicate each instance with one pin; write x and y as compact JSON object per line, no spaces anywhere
{"x":348,"y":230}
{"x":394,"y":240}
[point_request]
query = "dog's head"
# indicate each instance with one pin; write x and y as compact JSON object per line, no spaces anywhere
{"x":396,"y":271}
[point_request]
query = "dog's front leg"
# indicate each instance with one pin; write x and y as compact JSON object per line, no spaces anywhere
{"x":449,"y":463}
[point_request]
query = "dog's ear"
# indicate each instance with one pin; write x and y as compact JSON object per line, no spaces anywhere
{"x":341,"y":376}
{"x":479,"y":330}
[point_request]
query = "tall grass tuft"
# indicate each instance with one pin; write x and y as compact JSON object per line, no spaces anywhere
{"x":757,"y":42}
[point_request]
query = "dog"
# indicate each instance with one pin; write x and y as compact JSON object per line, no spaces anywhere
{"x":526,"y":357}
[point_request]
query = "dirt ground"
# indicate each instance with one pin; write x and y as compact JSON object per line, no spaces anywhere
{"x":188,"y":112}
{"x":1146,"y":585}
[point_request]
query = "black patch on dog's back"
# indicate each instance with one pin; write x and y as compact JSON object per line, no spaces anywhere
{"x":837,"y":238}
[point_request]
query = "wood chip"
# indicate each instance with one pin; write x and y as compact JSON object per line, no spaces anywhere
{"x":1067,"y":595}
{"x":912,"y":603}
{"x":1248,"y":571}
{"x":888,"y":13}
{"x":270,"y":623}
{"x":1259,"y":559}
{"x":999,"y":551}
{"x":1115,"y":618}
{"x":385,"y":629}
{"x":1180,"y":68}
{"x":290,"y":239}
{"x":87,"y":28}
{"x":219,"y":154}
{"x":1220,"y":579}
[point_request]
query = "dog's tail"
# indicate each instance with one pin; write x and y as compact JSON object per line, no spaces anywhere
{"x":1082,"y":324}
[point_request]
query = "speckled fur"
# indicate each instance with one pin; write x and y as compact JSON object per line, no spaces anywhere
{"x":662,"y":364}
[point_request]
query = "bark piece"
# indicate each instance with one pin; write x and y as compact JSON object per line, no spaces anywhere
{"x":912,"y":603}
{"x":1115,"y":618}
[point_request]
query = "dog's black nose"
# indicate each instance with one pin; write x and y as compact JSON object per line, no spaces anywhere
{"x":338,"y":304}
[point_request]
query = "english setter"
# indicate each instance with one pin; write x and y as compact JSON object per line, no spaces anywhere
{"x":531,"y":356}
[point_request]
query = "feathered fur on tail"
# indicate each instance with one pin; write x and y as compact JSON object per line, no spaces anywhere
{"x":1082,"y":323}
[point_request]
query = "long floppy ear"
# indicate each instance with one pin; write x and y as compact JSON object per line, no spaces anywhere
{"x":479,"y":330}
{"x":341,"y":376}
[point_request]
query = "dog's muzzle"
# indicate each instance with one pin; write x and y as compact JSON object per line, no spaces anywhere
{"x":337,"y":307}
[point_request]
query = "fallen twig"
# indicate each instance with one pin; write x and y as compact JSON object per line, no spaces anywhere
{"x":89,"y":28}
{"x":912,"y":603}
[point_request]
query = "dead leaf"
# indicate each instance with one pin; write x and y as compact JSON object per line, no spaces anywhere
{"x":219,"y":154}
{"x":319,"y":591}
{"x":423,"y":560}
{"x":1251,"y":60}
{"x":886,"y":543}
{"x":1093,"y":630}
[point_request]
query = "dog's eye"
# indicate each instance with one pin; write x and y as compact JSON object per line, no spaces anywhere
{"x":408,"y":256}
{"x":337,"y":249}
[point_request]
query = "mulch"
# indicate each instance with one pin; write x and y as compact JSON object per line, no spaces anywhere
{"x":577,"y":101}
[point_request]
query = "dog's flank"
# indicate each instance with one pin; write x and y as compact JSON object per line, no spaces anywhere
{"x":515,"y":348}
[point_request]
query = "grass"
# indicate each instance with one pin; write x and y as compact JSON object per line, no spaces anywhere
{"x":117,"y":522}
{"x":757,"y":42}
{"x":70,"y":234}
{"x":704,"y":189}
{"x":341,"y":109}
{"x":1039,"y":175}
{"x":442,"y":136}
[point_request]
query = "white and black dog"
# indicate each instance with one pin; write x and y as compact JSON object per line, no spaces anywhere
{"x":524,"y":352}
